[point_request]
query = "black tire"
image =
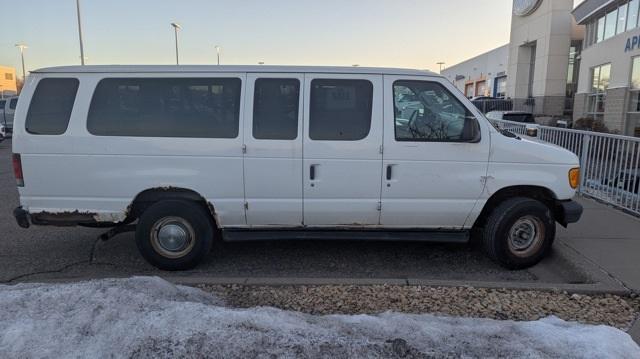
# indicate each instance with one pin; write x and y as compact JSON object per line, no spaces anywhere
{"x":510,"y":217}
{"x":190,"y":218}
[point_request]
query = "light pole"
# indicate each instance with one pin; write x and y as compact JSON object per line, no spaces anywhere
{"x":441,"y":64}
{"x":218,"y":48}
{"x":80,"y":33}
{"x":176,"y":27}
{"x":22,"y":47}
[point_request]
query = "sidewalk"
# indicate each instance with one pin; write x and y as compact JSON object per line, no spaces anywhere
{"x":611,"y":240}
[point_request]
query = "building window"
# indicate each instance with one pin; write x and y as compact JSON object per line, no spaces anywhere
{"x":611,"y":23}
{"x":468,"y":90}
{"x":501,"y":87}
{"x":8,"y":76}
{"x":600,"y":76}
{"x":600,"y":29}
{"x":622,"y":19}
{"x":481,"y":88}
{"x":633,"y":115}
{"x":632,"y":14}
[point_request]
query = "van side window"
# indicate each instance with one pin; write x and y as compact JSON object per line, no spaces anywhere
{"x":166,"y":107}
{"x":2,"y":102}
{"x":13,"y":103}
{"x":275,"y":109}
{"x":51,"y":106}
{"x":340,"y":110}
{"x":427,"y":111}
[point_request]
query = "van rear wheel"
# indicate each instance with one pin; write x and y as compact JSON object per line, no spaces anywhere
{"x":174,"y":235}
{"x":519,"y":233}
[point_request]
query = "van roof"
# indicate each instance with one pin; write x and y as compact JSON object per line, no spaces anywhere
{"x":232,"y":68}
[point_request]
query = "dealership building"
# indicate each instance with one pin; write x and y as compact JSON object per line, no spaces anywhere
{"x":581,"y":62}
{"x":8,"y":86}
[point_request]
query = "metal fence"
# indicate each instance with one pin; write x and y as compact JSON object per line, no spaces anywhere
{"x":488,"y":105}
{"x":610,"y":164}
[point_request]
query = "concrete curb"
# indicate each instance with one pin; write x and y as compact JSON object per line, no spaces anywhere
{"x":634,"y":332}
{"x":285,"y":281}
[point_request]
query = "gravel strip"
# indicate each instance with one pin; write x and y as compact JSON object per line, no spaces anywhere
{"x":503,"y":304}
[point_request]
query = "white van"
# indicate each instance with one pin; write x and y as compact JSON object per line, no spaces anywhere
{"x":7,"y":112}
{"x":185,"y":155}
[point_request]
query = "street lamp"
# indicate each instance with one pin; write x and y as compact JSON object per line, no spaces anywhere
{"x":80,"y":32}
{"x":22,"y":47}
{"x":176,"y":27}
{"x":440,"y":64}
{"x":218,"y":48}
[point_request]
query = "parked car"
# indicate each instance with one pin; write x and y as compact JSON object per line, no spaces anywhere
{"x":515,"y":116}
{"x":624,"y":188}
{"x":191,"y":154}
{"x":3,"y":133}
{"x":488,"y":104}
{"x":7,"y":111}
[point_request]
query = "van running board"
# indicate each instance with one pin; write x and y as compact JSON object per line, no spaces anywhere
{"x":450,"y":236}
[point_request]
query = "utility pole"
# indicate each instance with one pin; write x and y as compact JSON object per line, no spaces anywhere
{"x":22,"y":47}
{"x":440,"y":64}
{"x":176,"y":27}
{"x":218,"y":52}
{"x":80,"y":33}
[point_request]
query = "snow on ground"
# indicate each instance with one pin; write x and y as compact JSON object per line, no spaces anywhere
{"x":149,"y":317}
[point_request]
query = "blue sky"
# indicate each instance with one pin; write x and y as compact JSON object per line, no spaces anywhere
{"x":398,"y":33}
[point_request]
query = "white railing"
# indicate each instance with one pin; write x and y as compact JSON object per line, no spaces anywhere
{"x":515,"y":127}
{"x":610,"y":164}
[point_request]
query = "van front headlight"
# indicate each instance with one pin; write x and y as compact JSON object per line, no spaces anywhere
{"x":574,"y":177}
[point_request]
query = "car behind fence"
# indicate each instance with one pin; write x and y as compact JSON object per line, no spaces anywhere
{"x":610,"y":164}
{"x":488,"y":105}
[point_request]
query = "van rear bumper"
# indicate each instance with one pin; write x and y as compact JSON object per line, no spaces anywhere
{"x":568,"y":212}
{"x":22,"y":217}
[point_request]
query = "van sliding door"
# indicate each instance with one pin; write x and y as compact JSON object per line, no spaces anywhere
{"x":273,"y":157}
{"x":342,"y":149}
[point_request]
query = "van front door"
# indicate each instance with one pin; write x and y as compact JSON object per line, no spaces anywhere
{"x":433,"y":175}
{"x":342,"y":143}
{"x":273,"y":149}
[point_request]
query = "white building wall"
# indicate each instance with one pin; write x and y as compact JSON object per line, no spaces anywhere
{"x":550,"y":28}
{"x":486,"y":66}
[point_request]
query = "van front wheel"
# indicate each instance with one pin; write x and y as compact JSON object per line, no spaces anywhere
{"x":174,"y":235}
{"x":519,"y":232}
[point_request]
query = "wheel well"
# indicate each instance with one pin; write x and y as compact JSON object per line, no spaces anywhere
{"x":541,"y":194}
{"x":150,"y":196}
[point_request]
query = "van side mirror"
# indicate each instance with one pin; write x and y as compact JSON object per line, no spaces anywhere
{"x":471,"y":130}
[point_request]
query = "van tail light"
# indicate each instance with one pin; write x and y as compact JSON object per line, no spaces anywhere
{"x":17,"y":169}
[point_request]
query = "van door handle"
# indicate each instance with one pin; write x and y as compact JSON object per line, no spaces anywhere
{"x":389,"y":172}
{"x":312,"y":172}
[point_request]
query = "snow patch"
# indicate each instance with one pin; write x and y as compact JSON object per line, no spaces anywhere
{"x":149,"y":317}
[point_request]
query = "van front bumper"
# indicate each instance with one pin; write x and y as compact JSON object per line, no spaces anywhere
{"x":568,"y":212}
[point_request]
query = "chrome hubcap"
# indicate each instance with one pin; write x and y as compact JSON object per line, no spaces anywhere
{"x":526,"y":236}
{"x":172,"y":237}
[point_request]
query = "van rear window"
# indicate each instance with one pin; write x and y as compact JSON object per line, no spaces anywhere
{"x":166,"y":107}
{"x":51,"y":106}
